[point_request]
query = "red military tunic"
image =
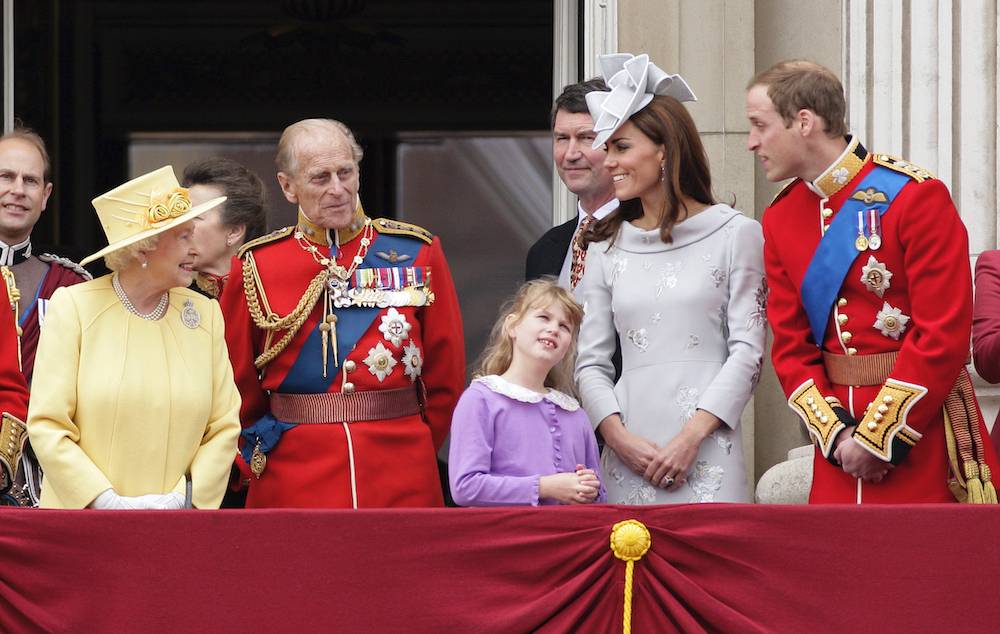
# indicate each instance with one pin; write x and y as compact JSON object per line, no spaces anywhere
{"x":13,"y":395}
{"x":62,"y":272}
{"x":374,"y":463}
{"x":912,"y":296}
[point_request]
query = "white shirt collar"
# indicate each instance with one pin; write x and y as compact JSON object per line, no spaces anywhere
{"x":599,"y":214}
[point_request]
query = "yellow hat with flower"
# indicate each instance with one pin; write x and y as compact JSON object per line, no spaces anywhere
{"x":144,"y":207}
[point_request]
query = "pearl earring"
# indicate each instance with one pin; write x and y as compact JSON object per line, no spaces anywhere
{"x":145,"y":264}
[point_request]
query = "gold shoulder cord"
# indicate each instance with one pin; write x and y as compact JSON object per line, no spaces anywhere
{"x":273,"y":322}
{"x":15,"y":298}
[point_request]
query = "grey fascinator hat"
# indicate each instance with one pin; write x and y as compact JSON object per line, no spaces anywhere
{"x":634,"y":81}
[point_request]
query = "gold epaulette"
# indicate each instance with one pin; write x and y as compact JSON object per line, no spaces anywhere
{"x":264,"y":239}
{"x":885,"y":420}
{"x":784,"y":190}
{"x":915,"y":172}
{"x":818,"y":415}
{"x":398,"y":227}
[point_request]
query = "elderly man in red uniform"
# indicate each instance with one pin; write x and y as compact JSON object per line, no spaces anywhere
{"x":870,"y":303}
{"x":346,"y":342}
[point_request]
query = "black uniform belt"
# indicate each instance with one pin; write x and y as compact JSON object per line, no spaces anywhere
{"x":354,"y":407}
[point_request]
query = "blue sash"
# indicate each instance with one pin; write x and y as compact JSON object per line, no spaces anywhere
{"x":306,"y":374}
{"x":836,"y":251}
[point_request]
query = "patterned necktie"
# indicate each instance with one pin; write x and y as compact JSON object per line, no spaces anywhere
{"x":579,"y":253}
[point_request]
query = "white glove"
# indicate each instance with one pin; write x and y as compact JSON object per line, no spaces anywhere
{"x":110,"y":500}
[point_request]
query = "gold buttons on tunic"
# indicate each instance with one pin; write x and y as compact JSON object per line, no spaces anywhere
{"x":852,"y":351}
{"x":846,"y":336}
{"x":872,"y":426}
{"x":348,"y":388}
{"x":842,"y":302}
{"x":350,"y":366}
{"x":827,"y":212}
{"x":841,"y":319}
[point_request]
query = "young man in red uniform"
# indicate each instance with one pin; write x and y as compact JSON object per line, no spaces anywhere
{"x":870,"y":303}
{"x":346,"y":342}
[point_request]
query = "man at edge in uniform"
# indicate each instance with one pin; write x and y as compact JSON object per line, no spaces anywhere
{"x":870,"y":302}
{"x":30,"y":278}
{"x":346,"y":342}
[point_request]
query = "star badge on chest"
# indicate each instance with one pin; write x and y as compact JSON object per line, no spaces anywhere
{"x":875,"y":276}
{"x":394,"y":327}
{"x":891,"y":322}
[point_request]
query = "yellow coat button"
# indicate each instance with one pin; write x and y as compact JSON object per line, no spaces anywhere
{"x":350,"y":366}
{"x":827,"y":212}
{"x":348,"y":387}
{"x":841,"y":319}
{"x":845,"y":336}
{"x":842,"y":302}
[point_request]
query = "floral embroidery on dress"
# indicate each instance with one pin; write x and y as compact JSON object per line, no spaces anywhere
{"x":668,"y":277}
{"x":718,"y":276}
{"x":693,"y":342}
{"x":617,"y":476}
{"x":687,"y":401}
{"x":618,"y":266}
{"x":647,"y":266}
{"x":705,"y":481}
{"x":655,"y":318}
{"x":755,"y":377}
{"x":758,"y":318}
{"x":640,"y":492}
{"x":638,"y":338}
{"x":721,"y":438}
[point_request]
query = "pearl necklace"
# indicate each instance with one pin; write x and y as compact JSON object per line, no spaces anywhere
{"x":153,"y":315}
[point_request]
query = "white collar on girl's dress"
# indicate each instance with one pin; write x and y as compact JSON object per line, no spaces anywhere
{"x":501,"y":385}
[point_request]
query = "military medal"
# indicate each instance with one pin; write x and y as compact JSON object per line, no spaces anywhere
{"x":874,"y":240}
{"x":258,"y":460}
{"x":861,"y":243}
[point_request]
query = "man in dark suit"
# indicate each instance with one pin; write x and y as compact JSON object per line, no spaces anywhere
{"x":582,"y":169}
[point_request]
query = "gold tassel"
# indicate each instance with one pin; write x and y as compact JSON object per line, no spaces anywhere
{"x":972,"y":483}
{"x":989,"y":491}
{"x":630,"y":540}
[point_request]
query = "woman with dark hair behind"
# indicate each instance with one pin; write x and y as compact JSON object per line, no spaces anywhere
{"x":221,"y":232}
{"x":680,"y":279}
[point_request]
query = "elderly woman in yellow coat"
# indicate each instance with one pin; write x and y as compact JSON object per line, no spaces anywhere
{"x":133,"y":403}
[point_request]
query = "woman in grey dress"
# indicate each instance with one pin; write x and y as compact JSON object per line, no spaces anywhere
{"x":680,"y":279}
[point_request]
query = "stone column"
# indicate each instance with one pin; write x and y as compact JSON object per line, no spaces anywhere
{"x":921,"y":78}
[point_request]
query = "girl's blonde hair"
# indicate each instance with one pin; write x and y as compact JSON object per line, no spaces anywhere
{"x":540,"y":293}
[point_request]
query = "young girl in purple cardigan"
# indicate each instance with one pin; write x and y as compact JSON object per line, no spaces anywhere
{"x":517,"y":437}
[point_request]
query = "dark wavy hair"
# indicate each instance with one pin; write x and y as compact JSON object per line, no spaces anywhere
{"x":666,"y":122}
